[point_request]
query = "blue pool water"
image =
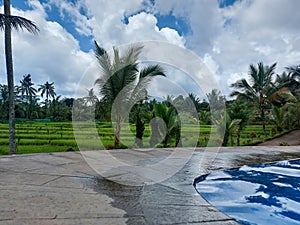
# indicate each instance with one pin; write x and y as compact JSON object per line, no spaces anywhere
{"x":261,"y":194}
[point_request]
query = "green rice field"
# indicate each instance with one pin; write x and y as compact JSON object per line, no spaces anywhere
{"x":37,"y":137}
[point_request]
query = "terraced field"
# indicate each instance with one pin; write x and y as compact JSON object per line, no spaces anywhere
{"x":35,"y":137}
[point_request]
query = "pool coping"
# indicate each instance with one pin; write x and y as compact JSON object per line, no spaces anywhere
{"x":60,"y":188}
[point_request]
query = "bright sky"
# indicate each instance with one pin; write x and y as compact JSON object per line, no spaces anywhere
{"x":227,"y":35}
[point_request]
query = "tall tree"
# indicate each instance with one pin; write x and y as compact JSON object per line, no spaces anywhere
{"x":91,"y":98}
{"x":259,"y":90}
{"x":121,"y":81}
{"x":26,"y":88}
{"x":48,"y":90}
{"x":7,"y":22}
{"x":29,"y":92}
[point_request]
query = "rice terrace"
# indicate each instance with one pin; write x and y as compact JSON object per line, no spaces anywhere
{"x":39,"y":137}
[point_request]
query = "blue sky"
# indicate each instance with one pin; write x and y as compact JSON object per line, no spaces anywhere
{"x":86,"y":41}
{"x":226,"y":35}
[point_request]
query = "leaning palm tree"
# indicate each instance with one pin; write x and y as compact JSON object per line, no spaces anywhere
{"x":259,"y":90}
{"x":47,"y":89}
{"x":7,"y":22}
{"x":121,"y":82}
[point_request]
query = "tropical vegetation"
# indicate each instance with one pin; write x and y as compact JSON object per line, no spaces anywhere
{"x":262,"y":106}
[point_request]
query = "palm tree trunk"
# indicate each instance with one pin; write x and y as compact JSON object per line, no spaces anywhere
{"x":10,"y":79}
{"x":238,"y":137}
{"x":140,"y":127}
{"x":231,"y":139}
{"x":117,"y":133}
{"x":263,"y":121}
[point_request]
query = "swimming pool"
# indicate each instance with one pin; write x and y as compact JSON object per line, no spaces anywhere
{"x":260,"y":194}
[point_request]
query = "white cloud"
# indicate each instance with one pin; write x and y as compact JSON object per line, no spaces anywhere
{"x":110,"y":30}
{"x":73,"y":10}
{"x":227,"y":39}
{"x":53,"y":55}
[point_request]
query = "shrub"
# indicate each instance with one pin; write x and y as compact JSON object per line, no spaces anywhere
{"x":252,"y":134}
{"x":273,"y":131}
{"x":283,"y":143}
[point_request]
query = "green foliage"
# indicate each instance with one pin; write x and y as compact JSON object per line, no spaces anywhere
{"x":122,"y":82}
{"x":259,"y":90}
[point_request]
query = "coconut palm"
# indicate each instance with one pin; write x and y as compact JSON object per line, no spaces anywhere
{"x":292,"y":110}
{"x":121,"y":82}
{"x":91,"y":98}
{"x":171,"y":119}
{"x":28,"y":92}
{"x":232,"y":127}
{"x":294,"y":70}
{"x":287,"y":80}
{"x":7,"y":22}
{"x":241,"y":112}
{"x":47,"y":89}
{"x":258,"y":91}
{"x":26,"y":88}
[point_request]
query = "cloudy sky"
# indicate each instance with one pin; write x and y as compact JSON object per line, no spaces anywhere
{"x":227,"y":35}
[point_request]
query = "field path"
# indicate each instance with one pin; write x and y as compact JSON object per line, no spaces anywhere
{"x":292,"y":138}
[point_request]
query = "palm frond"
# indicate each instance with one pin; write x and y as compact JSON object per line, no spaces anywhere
{"x":243,"y":86}
{"x":18,"y":23}
{"x":132,"y":54}
{"x":104,"y":61}
{"x":155,"y":70}
{"x":253,"y":72}
{"x":282,"y":96}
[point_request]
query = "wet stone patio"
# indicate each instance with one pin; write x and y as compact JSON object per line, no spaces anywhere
{"x":61,"y":188}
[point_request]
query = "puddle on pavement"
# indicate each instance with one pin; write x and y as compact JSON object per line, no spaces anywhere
{"x":124,"y":197}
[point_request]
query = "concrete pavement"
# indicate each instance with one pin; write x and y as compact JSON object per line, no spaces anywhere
{"x":61,"y":188}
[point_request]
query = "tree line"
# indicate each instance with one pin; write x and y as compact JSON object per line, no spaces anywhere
{"x":265,"y":98}
{"x":35,"y":103}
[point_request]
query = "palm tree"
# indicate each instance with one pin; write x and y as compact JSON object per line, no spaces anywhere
{"x":28,"y":91}
{"x":26,"y":87}
{"x":171,"y":119}
{"x":122,"y":83}
{"x":7,"y":21}
{"x":195,"y":100}
{"x":294,"y":70}
{"x":47,"y":89}
{"x":232,"y":127}
{"x":91,"y":98}
{"x":287,"y":80}
{"x":259,"y":90}
{"x":239,"y":111}
{"x":216,"y":100}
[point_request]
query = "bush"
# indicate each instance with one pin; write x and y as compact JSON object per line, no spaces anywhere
{"x":283,"y":143}
{"x":252,"y":134}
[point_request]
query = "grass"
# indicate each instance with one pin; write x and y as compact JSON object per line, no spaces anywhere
{"x":36,"y":137}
